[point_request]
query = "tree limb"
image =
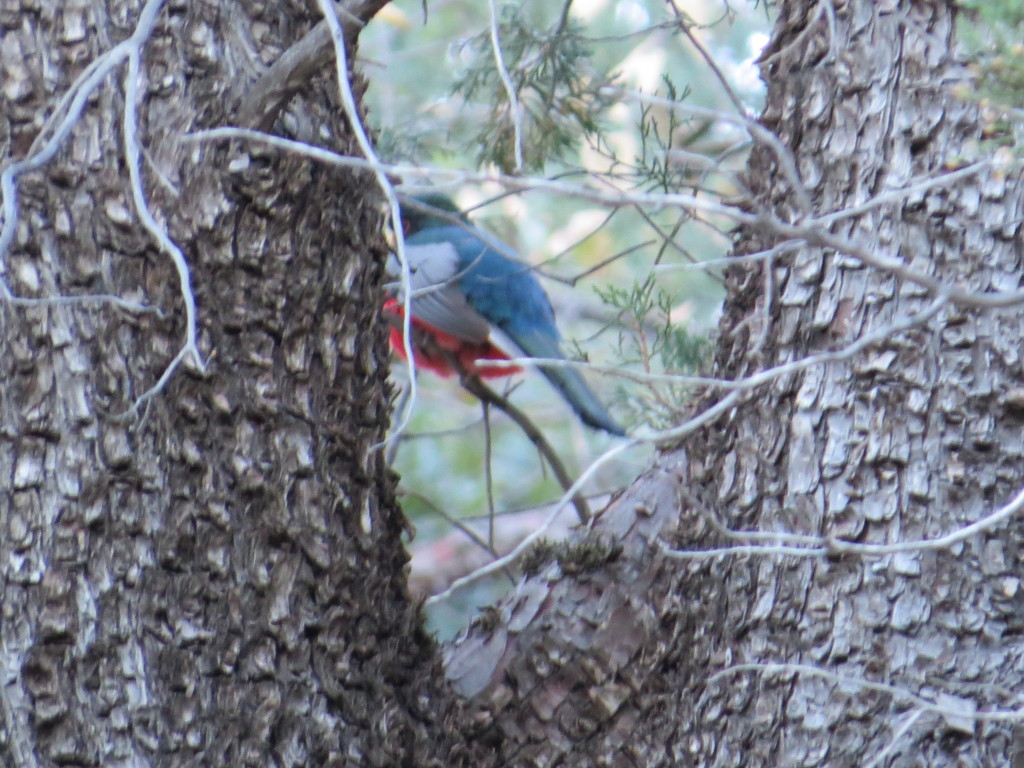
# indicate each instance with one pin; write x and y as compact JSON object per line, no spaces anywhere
{"x":472,"y":384}
{"x":294,"y":68}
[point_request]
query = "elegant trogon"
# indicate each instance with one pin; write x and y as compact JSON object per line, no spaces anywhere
{"x":475,"y":302}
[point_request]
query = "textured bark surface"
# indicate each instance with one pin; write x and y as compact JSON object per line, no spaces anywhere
{"x":221,"y":580}
{"x":915,"y":437}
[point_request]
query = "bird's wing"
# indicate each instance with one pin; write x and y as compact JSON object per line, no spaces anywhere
{"x":437,"y":298}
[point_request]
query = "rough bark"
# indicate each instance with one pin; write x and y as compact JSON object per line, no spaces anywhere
{"x":219,"y":579}
{"x":916,"y":436}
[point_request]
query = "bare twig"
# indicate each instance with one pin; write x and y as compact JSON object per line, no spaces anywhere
{"x":684,"y":25}
{"x":897,"y":737}
{"x":895,"y":692}
{"x":488,"y":471}
{"x":293,"y":69}
{"x":484,"y":544}
{"x":727,"y":261}
{"x":911,"y":188}
{"x":610,"y":198}
{"x":473,"y":385}
{"x":190,"y":350}
{"x":510,"y":89}
{"x":803,"y":545}
{"x":348,"y":100}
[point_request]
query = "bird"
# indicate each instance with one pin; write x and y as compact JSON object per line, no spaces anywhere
{"x":473,"y":300}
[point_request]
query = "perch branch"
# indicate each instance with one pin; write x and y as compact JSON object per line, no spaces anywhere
{"x":264,"y":99}
{"x":472,"y":384}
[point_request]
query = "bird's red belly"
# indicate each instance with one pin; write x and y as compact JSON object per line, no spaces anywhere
{"x":434,"y":349}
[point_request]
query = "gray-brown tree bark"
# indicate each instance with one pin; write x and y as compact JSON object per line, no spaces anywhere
{"x":215,"y":578}
{"x":912,"y":437}
{"x":218,"y":578}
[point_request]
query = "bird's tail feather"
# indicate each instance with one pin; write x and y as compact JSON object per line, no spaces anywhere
{"x":570,"y":384}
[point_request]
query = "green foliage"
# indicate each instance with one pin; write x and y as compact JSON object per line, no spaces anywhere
{"x":659,"y":135}
{"x":651,"y":342}
{"x":998,"y":16}
{"x":437,"y":99}
{"x":592,"y":553}
{"x":993,"y":33}
{"x":538,"y":556}
{"x":400,"y":146}
{"x":587,"y":555}
{"x":559,"y":102}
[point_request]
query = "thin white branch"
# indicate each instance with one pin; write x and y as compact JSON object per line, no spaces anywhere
{"x":611,"y":199}
{"x":74,"y":102}
{"x":816,"y":235}
{"x":372,"y":161}
{"x":987,"y":523}
{"x":726,"y":261}
{"x":802,"y":545}
{"x":507,"y":560}
{"x":88,"y":79}
{"x":510,"y":88}
{"x":913,"y":187}
{"x":132,"y":154}
{"x":776,"y":537}
{"x":811,"y":232}
{"x":157,"y":388}
{"x":743,"y":549}
{"x":896,"y":738}
{"x":845,"y":353}
{"x":897,"y":693}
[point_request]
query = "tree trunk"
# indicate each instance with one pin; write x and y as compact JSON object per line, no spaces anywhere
{"x":215,"y":577}
{"x":638,"y":661}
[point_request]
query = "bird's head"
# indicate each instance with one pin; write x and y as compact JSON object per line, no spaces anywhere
{"x":432,"y":209}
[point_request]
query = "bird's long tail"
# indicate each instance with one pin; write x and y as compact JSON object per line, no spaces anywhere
{"x":569,"y":383}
